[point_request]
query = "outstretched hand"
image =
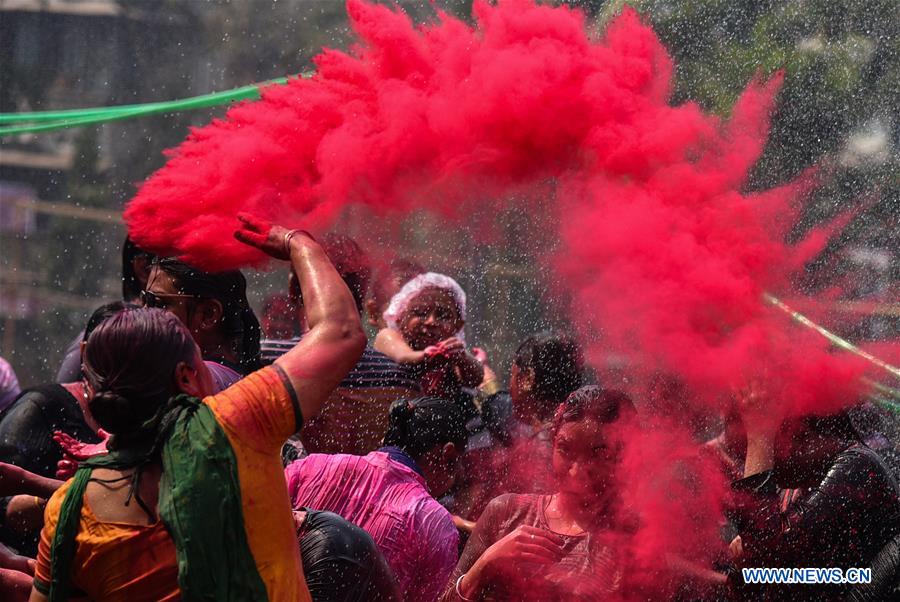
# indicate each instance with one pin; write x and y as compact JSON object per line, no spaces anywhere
{"x":75,"y":451}
{"x":269,"y":238}
{"x":446,"y":350}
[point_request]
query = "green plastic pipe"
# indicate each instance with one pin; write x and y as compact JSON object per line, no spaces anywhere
{"x":45,"y":121}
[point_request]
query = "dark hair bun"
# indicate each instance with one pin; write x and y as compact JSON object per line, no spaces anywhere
{"x":113,"y":412}
{"x":400,"y":414}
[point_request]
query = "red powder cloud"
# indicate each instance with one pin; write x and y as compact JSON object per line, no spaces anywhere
{"x":661,"y":250}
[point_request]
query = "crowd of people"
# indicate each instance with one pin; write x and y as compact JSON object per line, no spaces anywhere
{"x":188,"y":451}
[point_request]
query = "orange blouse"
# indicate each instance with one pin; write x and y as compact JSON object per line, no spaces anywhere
{"x":115,"y":561}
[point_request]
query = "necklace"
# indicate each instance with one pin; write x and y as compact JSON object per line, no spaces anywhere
{"x":546,"y":511}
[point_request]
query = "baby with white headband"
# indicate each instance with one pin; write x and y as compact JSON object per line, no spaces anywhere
{"x":424,"y":332}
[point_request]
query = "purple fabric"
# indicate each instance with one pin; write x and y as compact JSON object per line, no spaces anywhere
{"x":414,"y":532}
{"x":223,"y":376}
{"x":9,"y":384}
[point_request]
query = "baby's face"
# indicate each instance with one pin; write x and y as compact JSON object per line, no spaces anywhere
{"x":430,"y":317}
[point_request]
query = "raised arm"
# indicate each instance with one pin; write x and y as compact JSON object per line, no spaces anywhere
{"x":335,"y":340}
{"x":391,"y":343}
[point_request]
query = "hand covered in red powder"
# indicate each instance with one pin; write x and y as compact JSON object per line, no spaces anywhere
{"x":434,"y":356}
{"x":480,"y":354}
{"x":489,"y":375}
{"x":270,"y":239}
{"x":76,"y":451}
{"x":452,"y":347}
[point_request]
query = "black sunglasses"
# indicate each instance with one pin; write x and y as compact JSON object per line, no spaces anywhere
{"x":157,"y":300}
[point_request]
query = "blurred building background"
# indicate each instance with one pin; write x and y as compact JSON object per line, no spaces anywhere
{"x":61,"y":193}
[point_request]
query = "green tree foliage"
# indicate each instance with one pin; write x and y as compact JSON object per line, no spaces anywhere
{"x":837,"y":110}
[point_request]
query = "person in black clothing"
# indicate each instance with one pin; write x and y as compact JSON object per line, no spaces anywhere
{"x":844,"y":511}
{"x":27,"y":427}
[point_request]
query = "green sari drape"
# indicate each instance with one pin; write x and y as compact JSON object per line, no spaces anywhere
{"x":199,"y":504}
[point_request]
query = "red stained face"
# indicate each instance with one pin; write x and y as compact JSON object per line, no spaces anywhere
{"x":430,"y":317}
{"x":585,"y":458}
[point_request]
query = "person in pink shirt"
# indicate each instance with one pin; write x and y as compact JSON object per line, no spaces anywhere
{"x":391,"y":492}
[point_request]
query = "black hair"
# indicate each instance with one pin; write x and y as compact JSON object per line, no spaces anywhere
{"x":239,"y":324}
{"x":417,"y":425}
{"x":131,"y":286}
{"x":557,"y":363}
{"x":593,"y":402}
{"x":130,"y":362}
{"x":351,"y":263}
{"x":102,"y":313}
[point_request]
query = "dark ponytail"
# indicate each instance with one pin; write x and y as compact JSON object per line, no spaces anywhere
{"x":120,"y":415}
{"x":417,"y":425}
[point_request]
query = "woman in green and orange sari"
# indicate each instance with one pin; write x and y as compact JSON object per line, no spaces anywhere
{"x":191,"y":503}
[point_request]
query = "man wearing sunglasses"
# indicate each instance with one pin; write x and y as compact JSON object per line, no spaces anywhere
{"x":214,"y":307}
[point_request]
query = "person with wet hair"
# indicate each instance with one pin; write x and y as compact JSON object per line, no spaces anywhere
{"x":215,"y":309}
{"x":279,"y":320}
{"x":354,"y":418}
{"x":547,"y":367}
{"x":135,"y":271}
{"x":844,"y":513}
{"x":352,"y":264}
{"x":27,"y":426}
{"x":27,"y":439}
{"x":341,"y":562}
{"x":562,"y":545}
{"x":391,"y":492}
{"x":190,"y":501}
